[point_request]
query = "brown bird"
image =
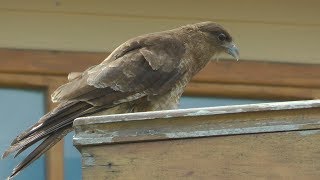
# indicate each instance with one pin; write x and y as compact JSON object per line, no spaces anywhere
{"x":145,"y":73}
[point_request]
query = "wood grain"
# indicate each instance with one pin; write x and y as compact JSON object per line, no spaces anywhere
{"x":292,"y":155}
{"x":262,"y":141}
{"x":197,"y":122}
{"x":47,"y":62}
{"x":30,"y":80}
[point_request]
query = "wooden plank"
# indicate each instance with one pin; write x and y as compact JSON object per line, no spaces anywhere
{"x":196,"y":112}
{"x":260,"y":141}
{"x":201,"y":10}
{"x":251,"y":91}
{"x":93,"y":32}
{"x":260,"y":73}
{"x":291,"y":155}
{"x":197,"y":122}
{"x":55,"y":155}
{"x":282,"y":75}
{"x":47,"y":62}
{"x":55,"y":162}
{"x":30,"y":81}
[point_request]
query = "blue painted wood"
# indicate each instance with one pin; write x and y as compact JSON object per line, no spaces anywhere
{"x":19,"y":109}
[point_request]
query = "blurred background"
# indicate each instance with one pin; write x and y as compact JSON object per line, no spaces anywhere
{"x":41,"y":41}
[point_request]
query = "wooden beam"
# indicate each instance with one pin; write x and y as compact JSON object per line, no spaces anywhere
{"x":260,"y":73}
{"x":228,"y":142}
{"x":278,"y":155}
{"x":46,"y":62}
{"x":226,"y":71}
{"x":31,"y":80}
{"x":197,"y":122}
{"x":55,"y":155}
{"x":251,"y":91}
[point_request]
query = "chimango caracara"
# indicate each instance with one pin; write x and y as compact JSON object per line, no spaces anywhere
{"x":145,"y":73}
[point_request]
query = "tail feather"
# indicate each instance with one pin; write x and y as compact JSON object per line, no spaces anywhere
{"x":24,"y":148}
{"x":58,"y":112}
{"x":46,"y":129}
{"x":41,"y":149}
{"x":52,"y":128}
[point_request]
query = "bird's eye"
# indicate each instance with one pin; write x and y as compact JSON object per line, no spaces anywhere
{"x":222,"y":37}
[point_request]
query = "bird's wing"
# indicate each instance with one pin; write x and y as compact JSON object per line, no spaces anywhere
{"x":140,"y":67}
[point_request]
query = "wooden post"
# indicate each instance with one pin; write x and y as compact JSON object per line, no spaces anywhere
{"x":270,"y":140}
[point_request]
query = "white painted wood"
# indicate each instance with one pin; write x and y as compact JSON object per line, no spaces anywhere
{"x":197,"y":112}
{"x":282,"y":31}
{"x":262,"y":11}
{"x":198,"y":122}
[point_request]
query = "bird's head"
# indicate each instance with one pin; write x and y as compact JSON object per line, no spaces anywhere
{"x":219,"y":38}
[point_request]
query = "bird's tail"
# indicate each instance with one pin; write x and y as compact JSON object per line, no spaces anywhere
{"x":51,"y":128}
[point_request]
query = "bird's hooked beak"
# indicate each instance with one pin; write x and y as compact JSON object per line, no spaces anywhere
{"x":232,"y":49}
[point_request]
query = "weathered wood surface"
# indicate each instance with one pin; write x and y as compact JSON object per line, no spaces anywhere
{"x":197,"y":122}
{"x":290,"y":155}
{"x":261,"y":141}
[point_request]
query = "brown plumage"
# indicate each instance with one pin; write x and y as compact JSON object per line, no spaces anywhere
{"x":145,"y":73}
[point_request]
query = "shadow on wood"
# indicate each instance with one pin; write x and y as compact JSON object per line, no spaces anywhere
{"x":268,"y":141}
